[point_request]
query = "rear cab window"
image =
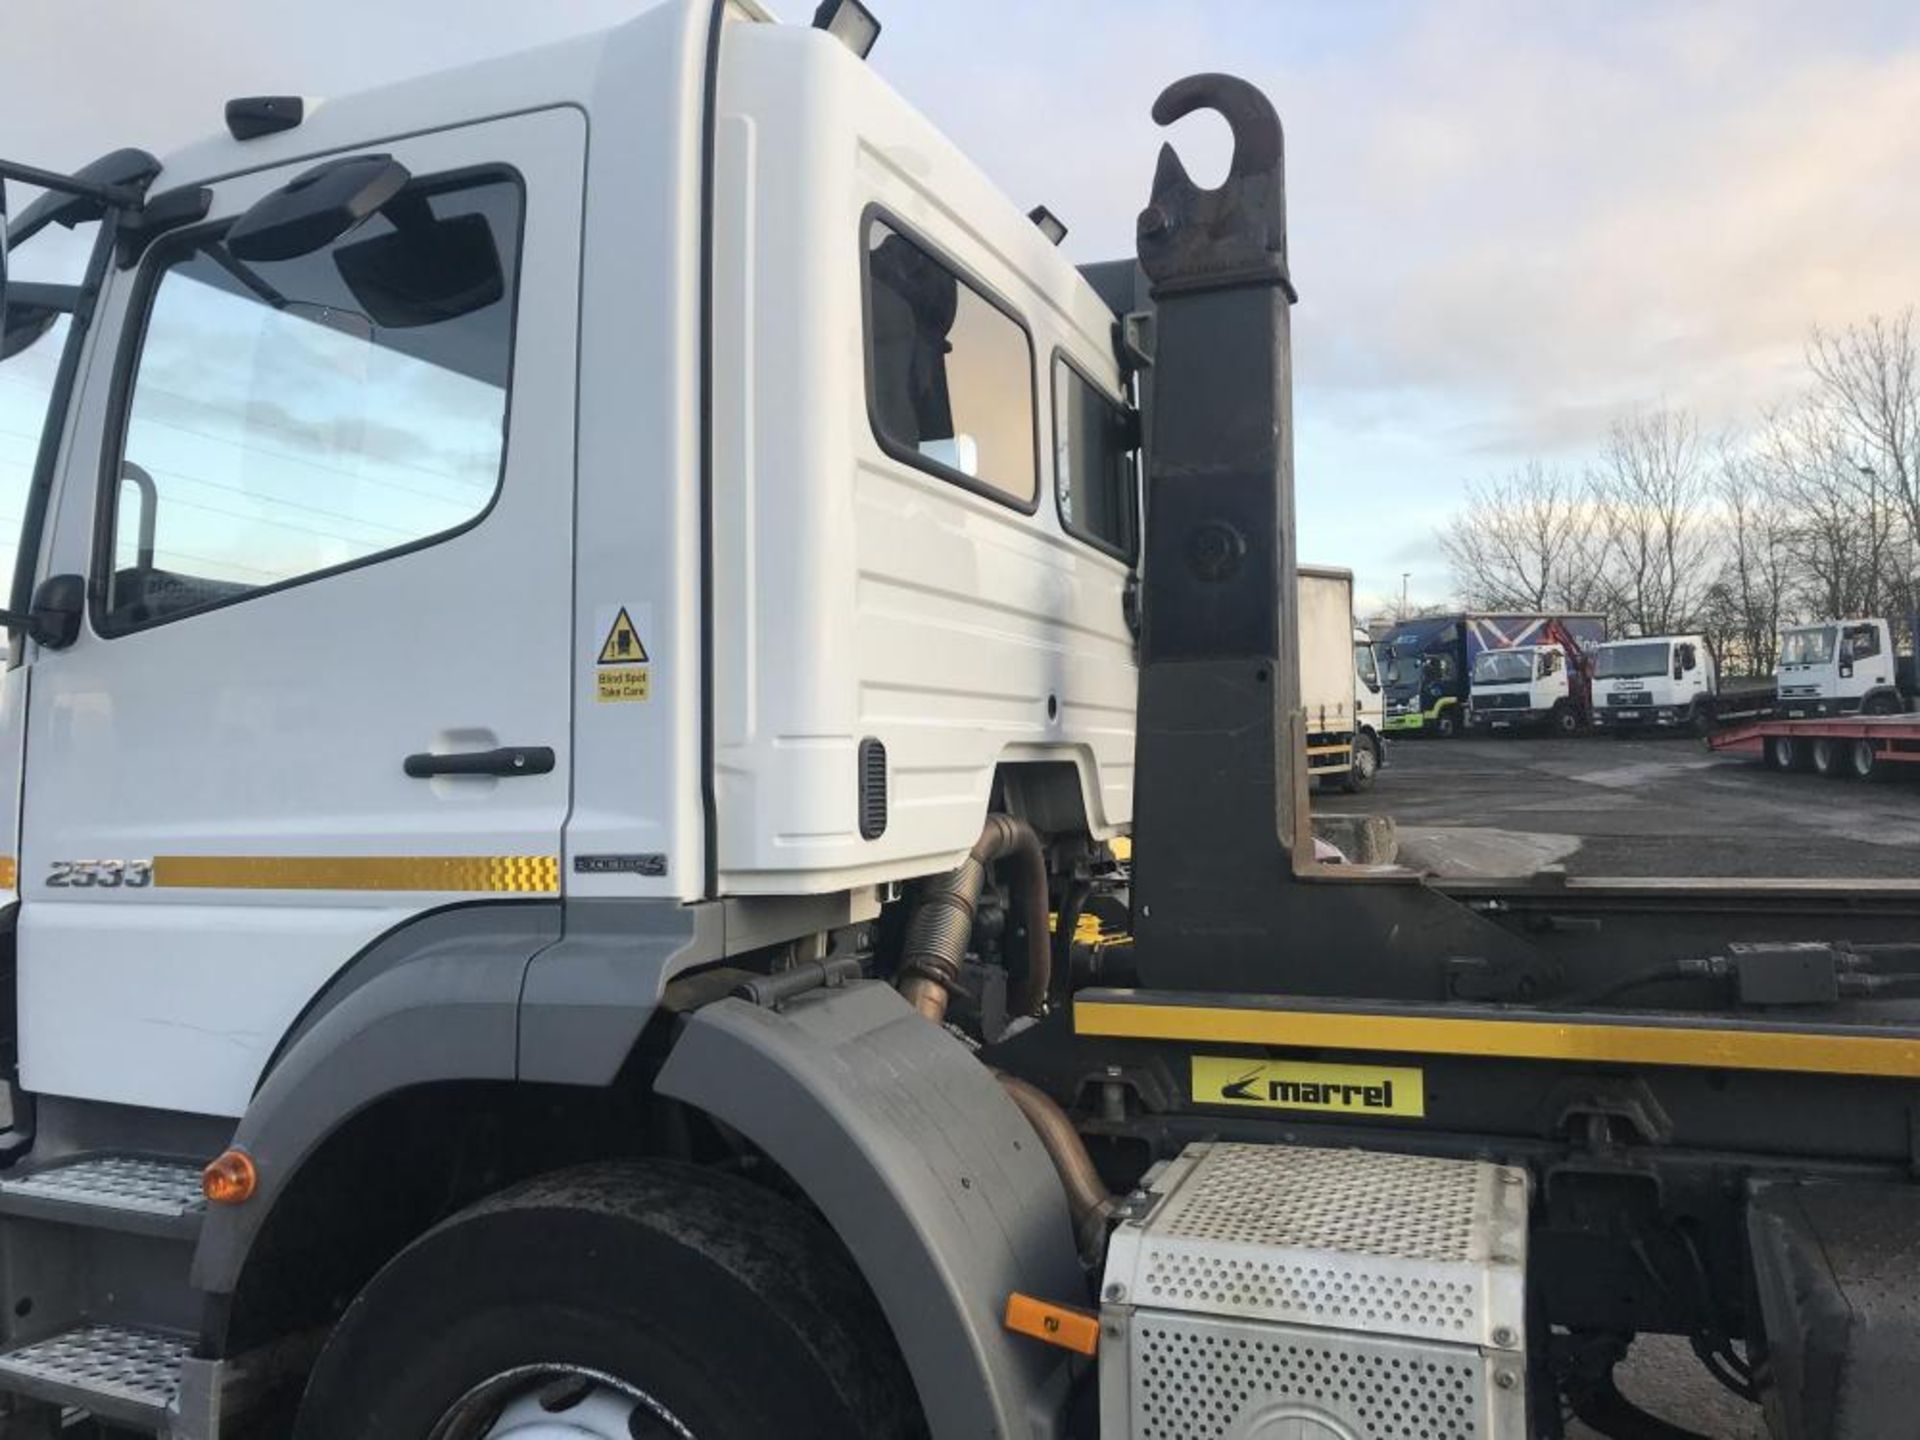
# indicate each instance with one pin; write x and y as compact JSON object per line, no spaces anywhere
{"x":1095,"y":463}
{"x":950,"y":372}
{"x":290,"y":419}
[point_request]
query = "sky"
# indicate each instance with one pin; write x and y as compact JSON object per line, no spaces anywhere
{"x":1511,"y":222}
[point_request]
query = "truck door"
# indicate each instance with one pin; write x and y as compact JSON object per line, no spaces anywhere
{"x":323,"y":512}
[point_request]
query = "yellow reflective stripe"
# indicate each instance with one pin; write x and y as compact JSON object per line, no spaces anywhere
{"x":1702,"y":1047}
{"x":512,"y":874}
{"x":9,"y":872}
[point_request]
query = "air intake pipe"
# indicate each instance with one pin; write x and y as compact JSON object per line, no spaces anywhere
{"x":937,"y":933}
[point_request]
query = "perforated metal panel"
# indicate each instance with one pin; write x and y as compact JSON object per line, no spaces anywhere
{"x":1197,"y":1379}
{"x":1286,"y":1293}
{"x":1346,"y":1239}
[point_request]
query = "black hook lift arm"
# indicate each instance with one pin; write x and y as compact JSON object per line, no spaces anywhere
{"x":1221,"y":902}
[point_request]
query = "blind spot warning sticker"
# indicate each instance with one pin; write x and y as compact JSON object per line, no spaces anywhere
{"x":623,"y":670}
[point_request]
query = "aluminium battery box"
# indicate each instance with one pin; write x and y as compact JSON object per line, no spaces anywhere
{"x":1271,"y":1292}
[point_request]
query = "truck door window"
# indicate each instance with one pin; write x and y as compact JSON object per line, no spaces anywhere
{"x":1093,"y":463}
{"x":1863,"y":641}
{"x":294,"y":418}
{"x":949,"y":373}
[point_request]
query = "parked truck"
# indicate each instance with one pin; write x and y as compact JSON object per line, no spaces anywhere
{"x":1842,"y":667}
{"x":1344,"y":745}
{"x":1429,"y":663}
{"x":1544,"y":678}
{"x":566,"y":702}
{"x":1671,"y":682}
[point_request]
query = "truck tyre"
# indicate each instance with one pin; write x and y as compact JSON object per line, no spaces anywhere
{"x":1828,"y":755}
{"x":637,"y":1299}
{"x":1863,"y":761}
{"x":1700,"y":721}
{"x":1565,"y":720}
{"x":1881,"y":704}
{"x":1783,"y":753}
{"x":1446,"y":724}
{"x":1366,"y":765}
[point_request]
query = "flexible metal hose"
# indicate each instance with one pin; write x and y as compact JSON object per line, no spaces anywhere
{"x":937,"y":933}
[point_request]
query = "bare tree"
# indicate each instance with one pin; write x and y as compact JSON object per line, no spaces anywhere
{"x":1747,"y":603}
{"x":1867,"y":383}
{"x":1841,"y":519}
{"x":1651,"y":492}
{"x":1524,"y":542}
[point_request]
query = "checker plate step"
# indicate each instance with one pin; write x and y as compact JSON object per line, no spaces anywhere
{"x":124,"y":1375}
{"x":116,"y":1182}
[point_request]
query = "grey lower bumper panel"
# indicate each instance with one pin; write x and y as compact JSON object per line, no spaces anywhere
{"x":931,"y":1177}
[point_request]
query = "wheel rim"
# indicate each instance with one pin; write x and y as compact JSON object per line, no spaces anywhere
{"x":1863,"y":757}
{"x":558,"y":1402}
{"x":1823,"y":755}
{"x":1364,"y":763}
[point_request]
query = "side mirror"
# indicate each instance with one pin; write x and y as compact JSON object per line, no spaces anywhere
{"x":316,"y":208}
{"x":1679,"y":670}
{"x":29,"y":311}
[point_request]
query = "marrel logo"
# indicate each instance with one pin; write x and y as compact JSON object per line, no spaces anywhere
{"x":1295,"y":1085}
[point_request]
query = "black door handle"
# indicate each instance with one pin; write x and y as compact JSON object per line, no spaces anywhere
{"x":508,"y":760}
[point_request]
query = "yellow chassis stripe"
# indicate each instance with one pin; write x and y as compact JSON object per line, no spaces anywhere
{"x":512,"y":874}
{"x":1821,"y":1054}
{"x":9,"y":872}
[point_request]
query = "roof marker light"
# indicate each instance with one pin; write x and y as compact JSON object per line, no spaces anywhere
{"x":849,"y":22}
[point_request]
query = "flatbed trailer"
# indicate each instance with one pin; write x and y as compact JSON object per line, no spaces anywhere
{"x":1852,"y":747}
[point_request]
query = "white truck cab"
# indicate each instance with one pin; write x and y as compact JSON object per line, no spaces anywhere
{"x":1839,"y":667}
{"x":1521,"y":685}
{"x":1369,"y":695}
{"x":1656,"y":681}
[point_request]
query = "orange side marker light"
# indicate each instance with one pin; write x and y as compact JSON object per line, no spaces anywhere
{"x":230,"y":1179}
{"x":1060,"y":1325}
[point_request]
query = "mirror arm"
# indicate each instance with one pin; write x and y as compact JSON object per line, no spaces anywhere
{"x":118,"y":197}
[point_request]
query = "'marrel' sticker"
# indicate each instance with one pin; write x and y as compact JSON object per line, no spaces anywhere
{"x":622,"y":671}
{"x":1308,"y":1085}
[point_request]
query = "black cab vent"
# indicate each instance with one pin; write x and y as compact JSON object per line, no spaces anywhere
{"x":873,"y":789}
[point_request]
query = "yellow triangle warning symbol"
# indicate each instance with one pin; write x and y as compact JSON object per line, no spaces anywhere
{"x":623,"y":645}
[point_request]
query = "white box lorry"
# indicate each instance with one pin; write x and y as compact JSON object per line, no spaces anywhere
{"x":1344,"y":745}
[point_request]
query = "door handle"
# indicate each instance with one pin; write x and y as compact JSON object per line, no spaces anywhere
{"x":509,"y":760}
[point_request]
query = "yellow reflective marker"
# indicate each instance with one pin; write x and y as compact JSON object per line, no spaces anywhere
{"x":509,"y":874}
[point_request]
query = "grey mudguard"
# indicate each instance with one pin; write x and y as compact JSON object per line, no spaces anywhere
{"x":928,"y":1173}
{"x":438,"y":999}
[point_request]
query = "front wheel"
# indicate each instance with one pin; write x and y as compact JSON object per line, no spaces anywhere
{"x":1881,"y":704}
{"x":1365,"y":765}
{"x":1447,"y":723}
{"x":1565,"y":719}
{"x":615,"y":1302}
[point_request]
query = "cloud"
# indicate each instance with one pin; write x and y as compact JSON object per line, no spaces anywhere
{"x":1510,"y":220}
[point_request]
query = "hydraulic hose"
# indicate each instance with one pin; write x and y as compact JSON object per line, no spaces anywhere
{"x":937,"y":933}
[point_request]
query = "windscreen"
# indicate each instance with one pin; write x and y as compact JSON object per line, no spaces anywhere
{"x":1502,"y":667}
{"x":1626,"y":662}
{"x":1811,"y":646}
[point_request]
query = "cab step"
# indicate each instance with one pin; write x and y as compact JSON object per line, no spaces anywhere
{"x":136,"y":1194}
{"x":117,"y":1374}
